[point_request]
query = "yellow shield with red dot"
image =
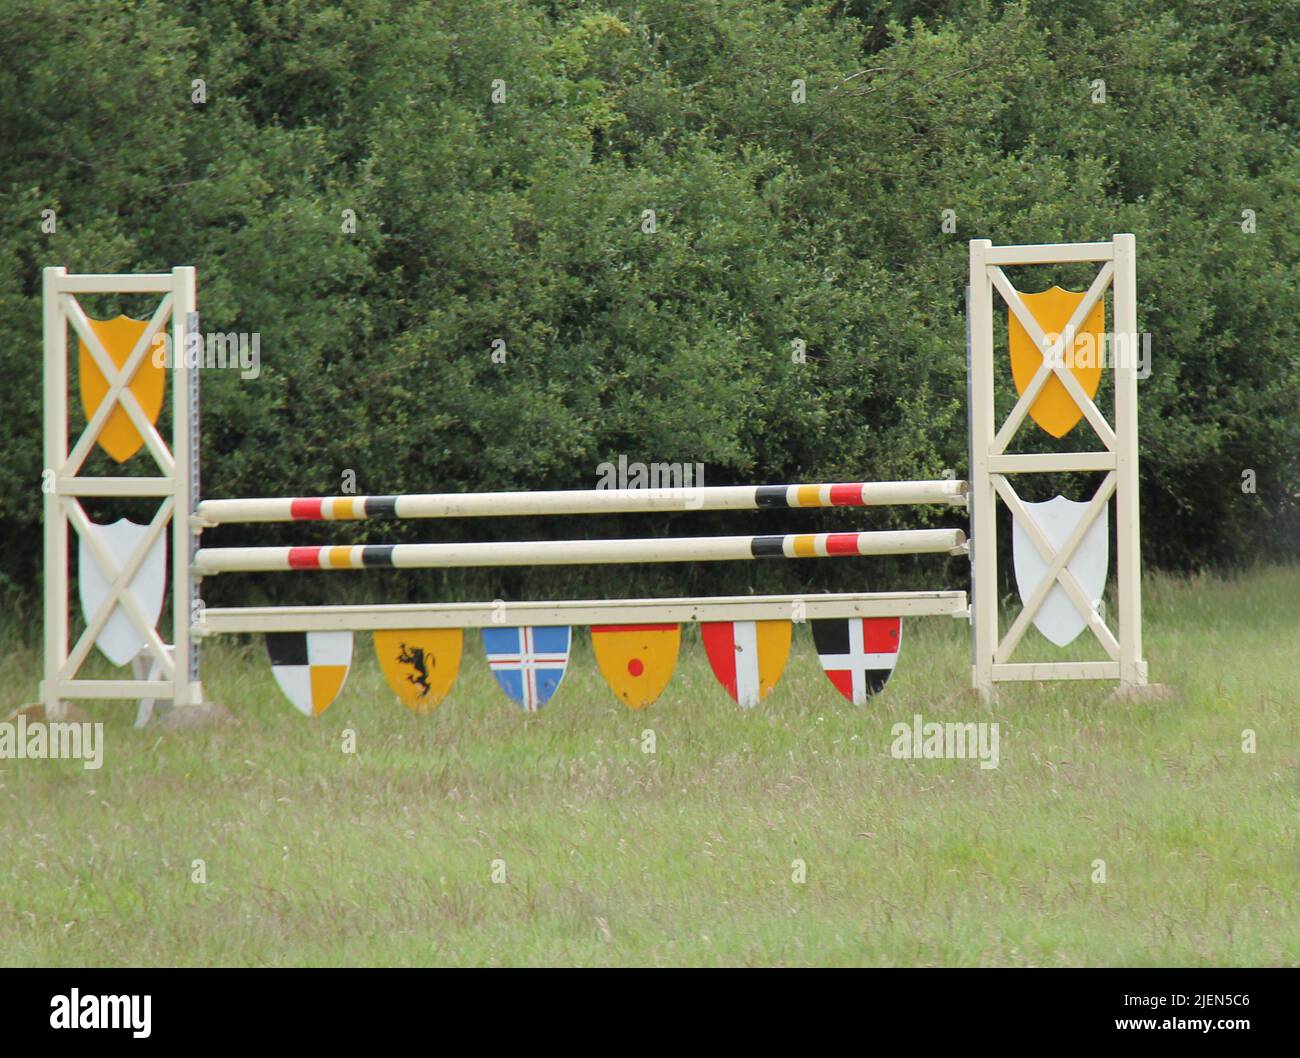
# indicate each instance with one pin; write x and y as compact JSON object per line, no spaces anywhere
{"x":637,"y":661}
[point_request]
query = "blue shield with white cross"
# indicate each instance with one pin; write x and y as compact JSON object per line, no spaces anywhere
{"x":528,"y":663}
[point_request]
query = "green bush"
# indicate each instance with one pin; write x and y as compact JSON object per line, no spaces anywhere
{"x":522,"y":221}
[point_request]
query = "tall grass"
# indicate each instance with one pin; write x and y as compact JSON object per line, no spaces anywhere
{"x":686,"y":856}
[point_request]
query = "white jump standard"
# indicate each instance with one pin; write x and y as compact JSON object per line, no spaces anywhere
{"x":1056,"y":397}
{"x":1060,"y":546}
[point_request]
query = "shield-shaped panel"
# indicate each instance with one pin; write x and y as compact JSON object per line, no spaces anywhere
{"x":528,"y":663}
{"x":747,"y":657}
{"x":120,"y":640}
{"x":420,"y":664}
{"x":1058,"y":618}
{"x":119,"y":437}
{"x":1055,"y":410}
{"x":310,"y":667}
{"x":858,"y":654}
{"x":637,"y":661}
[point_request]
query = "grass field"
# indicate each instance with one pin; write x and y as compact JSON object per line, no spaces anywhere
{"x":685,"y":856}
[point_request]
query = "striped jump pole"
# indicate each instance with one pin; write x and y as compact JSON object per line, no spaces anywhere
{"x":212,"y":560}
{"x":582,"y":501}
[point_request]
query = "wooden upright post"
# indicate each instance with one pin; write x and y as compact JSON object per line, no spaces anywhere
{"x":993,"y":467}
{"x":55,"y":382}
{"x":983,"y":499}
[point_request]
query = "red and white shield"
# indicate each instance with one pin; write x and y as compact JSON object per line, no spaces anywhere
{"x":858,"y":654}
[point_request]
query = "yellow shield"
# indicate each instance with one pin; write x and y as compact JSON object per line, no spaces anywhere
{"x":1055,"y":410}
{"x":119,"y":437}
{"x":637,"y":661}
{"x":420,"y":664}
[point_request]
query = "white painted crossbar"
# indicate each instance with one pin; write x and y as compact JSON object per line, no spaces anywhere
{"x":210,"y":560}
{"x":582,"y":501}
{"x":218,"y":621}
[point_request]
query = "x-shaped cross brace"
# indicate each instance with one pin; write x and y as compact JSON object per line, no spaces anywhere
{"x":119,"y":381}
{"x":119,"y":589}
{"x":1053,"y":359}
{"x":1057,"y":571}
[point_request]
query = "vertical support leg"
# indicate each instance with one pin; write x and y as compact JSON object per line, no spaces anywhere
{"x":1132,"y":670}
{"x":983,"y":510}
{"x":56,"y":456}
{"x":186,"y":687}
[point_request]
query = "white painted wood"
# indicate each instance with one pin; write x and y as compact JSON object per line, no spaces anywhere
{"x":1056,"y":617}
{"x":1050,"y":463}
{"x":55,"y":386}
{"x":211,"y":560}
{"x":1090,"y":410}
{"x":1011,"y":297}
{"x":580,"y":501}
{"x":983,"y":501}
{"x":1048,"y":253}
{"x":187,"y":689}
{"x":1133,"y":670}
{"x":142,"y":283}
{"x":80,"y":486}
{"x":1053,"y":363}
{"x":119,"y":640}
{"x":1056,"y":573}
{"x":221,"y":621}
{"x":990,"y":465}
{"x":119,"y":379}
{"x":121,"y":689}
{"x":143,"y":668}
{"x":1057,"y":670}
{"x":121,"y":597}
{"x":118,"y":608}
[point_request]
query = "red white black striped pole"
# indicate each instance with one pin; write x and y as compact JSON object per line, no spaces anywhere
{"x":582,"y":501}
{"x":577,"y":552}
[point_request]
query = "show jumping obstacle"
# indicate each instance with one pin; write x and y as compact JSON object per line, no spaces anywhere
{"x":1060,"y":546}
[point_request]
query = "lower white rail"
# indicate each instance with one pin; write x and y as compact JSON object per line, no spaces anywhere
{"x":219,"y":621}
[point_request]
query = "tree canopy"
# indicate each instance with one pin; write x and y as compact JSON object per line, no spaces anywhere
{"x":500,"y":157}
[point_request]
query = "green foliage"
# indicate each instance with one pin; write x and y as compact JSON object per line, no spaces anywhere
{"x":521,"y":222}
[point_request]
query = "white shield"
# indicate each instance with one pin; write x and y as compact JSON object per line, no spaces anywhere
{"x":120,"y":640}
{"x":1058,"y":618}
